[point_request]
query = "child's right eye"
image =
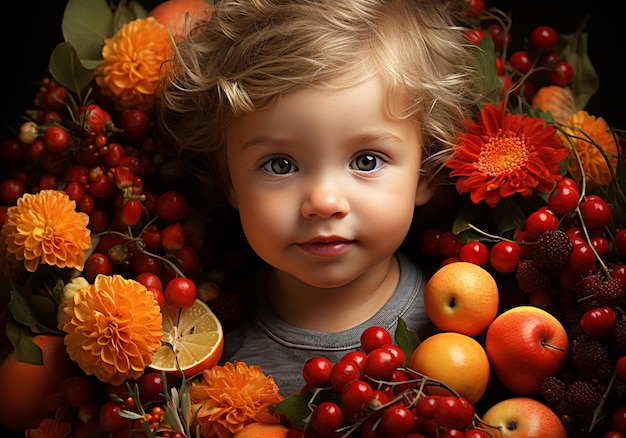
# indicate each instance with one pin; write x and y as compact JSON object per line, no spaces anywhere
{"x":279,"y":166}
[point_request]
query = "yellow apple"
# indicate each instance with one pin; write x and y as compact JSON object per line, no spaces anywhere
{"x":461,"y":297}
{"x":526,"y":344}
{"x":524,"y":417}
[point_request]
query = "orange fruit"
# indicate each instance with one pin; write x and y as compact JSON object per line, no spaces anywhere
{"x":455,"y":359}
{"x":30,"y":392}
{"x":262,"y":430}
{"x":523,"y":417}
{"x":196,"y":338}
{"x":461,"y":297}
{"x":173,"y":13}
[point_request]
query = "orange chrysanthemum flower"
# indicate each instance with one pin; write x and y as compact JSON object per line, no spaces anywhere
{"x":45,"y":228}
{"x":113,"y":328}
{"x":49,"y":428}
{"x":502,"y":154}
{"x":229,"y":396}
{"x":129,"y":72}
{"x":580,"y":125}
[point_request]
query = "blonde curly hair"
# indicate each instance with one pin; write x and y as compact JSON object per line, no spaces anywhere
{"x":251,"y":52}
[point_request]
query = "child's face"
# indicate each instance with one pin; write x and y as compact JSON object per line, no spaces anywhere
{"x":326,"y":182}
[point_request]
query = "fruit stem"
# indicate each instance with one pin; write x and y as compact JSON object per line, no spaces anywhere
{"x":545,"y":344}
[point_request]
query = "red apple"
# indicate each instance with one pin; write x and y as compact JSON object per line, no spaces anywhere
{"x":524,"y":417}
{"x":526,"y":344}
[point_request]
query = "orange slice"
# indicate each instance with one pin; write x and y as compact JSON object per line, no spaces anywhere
{"x":193,"y":335}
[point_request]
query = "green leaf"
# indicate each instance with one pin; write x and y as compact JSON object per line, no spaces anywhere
{"x":24,"y":314}
{"x":405,"y":338}
{"x":295,"y":407}
{"x":491,"y":83}
{"x":67,"y":69}
{"x":86,"y":24}
{"x":29,"y":352}
{"x":585,"y":81}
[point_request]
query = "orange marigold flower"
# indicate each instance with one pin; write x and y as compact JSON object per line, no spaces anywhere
{"x":49,"y":428}
{"x":502,"y":154}
{"x":583,"y":131}
{"x":129,"y":72}
{"x":113,"y":328}
{"x":228,"y":397}
{"x":45,"y":228}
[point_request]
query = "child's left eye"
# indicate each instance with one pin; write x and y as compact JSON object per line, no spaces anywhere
{"x":366,"y":163}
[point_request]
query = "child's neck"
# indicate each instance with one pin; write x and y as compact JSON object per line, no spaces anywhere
{"x":332,"y":309}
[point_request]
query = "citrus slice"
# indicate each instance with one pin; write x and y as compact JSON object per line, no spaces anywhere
{"x":193,"y":335}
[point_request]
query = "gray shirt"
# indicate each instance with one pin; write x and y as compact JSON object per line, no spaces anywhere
{"x":281,"y":349}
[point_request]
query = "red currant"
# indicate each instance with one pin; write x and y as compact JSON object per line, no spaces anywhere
{"x":375,"y":337}
{"x":454,"y":412}
{"x":181,"y":292}
{"x":316,"y":372}
{"x":380,"y":364}
{"x":56,"y":138}
{"x":544,"y":38}
{"x":595,"y":212}
{"x":342,"y":373}
{"x":355,"y":394}
{"x":505,"y":256}
{"x":521,"y":61}
{"x":398,"y":420}
{"x":474,"y":252}
{"x":539,"y":221}
{"x":561,"y":74}
{"x":563,"y":199}
{"x":326,"y":418}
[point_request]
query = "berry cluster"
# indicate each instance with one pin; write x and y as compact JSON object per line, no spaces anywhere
{"x":125,"y":178}
{"x":523,"y":71}
{"x":372,"y":393}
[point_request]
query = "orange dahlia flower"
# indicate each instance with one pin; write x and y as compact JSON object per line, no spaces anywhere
{"x":129,"y":72}
{"x":502,"y":154}
{"x":49,"y":428}
{"x":583,"y":131}
{"x":228,"y":397}
{"x":113,"y":328}
{"x":45,"y":228}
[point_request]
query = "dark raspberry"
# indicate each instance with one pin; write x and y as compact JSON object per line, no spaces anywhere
{"x":552,"y":251}
{"x":530,"y":279}
{"x":588,"y":354}
{"x":553,"y":389}
{"x":587,"y":285}
{"x":617,"y":338}
{"x":582,"y":396}
{"x":609,"y":293}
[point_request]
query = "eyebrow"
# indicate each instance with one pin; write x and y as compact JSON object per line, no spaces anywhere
{"x":365,"y":137}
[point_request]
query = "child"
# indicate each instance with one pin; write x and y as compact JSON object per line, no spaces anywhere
{"x":324,"y":122}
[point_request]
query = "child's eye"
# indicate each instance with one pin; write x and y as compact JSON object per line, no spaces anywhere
{"x":366,"y":163}
{"x":279,"y":166}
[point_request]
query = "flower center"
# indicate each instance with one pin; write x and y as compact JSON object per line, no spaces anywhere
{"x":503,"y":153}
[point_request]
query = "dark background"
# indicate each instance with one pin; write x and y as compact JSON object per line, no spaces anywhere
{"x":31,"y":32}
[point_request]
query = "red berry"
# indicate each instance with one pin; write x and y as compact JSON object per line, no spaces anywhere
{"x":148,"y":279}
{"x":561,"y":74}
{"x":172,"y":206}
{"x":521,"y":62}
{"x":563,"y":199}
{"x":380,"y":364}
{"x":375,"y":337}
{"x":544,"y":38}
{"x":595,"y":212}
{"x":397,"y":420}
{"x":316,"y":372}
{"x":355,"y":394}
{"x":110,"y":420}
{"x":475,"y":8}
{"x":181,"y":292}
{"x":135,"y":123}
{"x":499,"y":36}
{"x":56,"y":139}
{"x":151,"y":387}
{"x":454,"y":412}
{"x":97,"y":263}
{"x":449,"y":246}
{"x":10,"y":190}
{"x":76,"y":391}
{"x":131,"y":212}
{"x":539,"y":221}
{"x":505,"y":256}
{"x":474,"y":252}
{"x":620,"y":241}
{"x":173,"y":237}
{"x":326,"y":418}
{"x":620,"y":368}
{"x":342,"y":373}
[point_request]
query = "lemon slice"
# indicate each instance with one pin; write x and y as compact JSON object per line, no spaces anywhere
{"x":192,"y":335}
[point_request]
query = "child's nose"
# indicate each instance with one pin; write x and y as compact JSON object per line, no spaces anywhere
{"x":325,"y":199}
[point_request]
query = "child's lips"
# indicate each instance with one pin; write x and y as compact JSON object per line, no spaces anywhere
{"x":327,"y":246}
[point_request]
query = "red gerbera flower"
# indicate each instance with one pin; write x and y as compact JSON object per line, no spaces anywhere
{"x":502,"y":154}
